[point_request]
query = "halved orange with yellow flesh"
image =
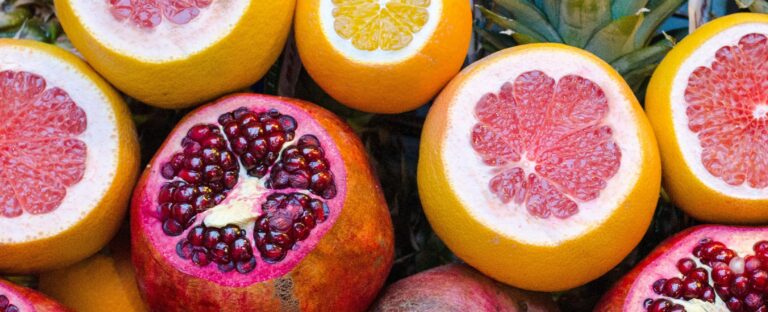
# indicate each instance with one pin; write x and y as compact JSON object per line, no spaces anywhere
{"x":708,"y":103}
{"x":538,"y":167}
{"x":383,"y":56}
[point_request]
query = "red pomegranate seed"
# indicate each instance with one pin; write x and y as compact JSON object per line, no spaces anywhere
{"x":707,"y":294}
{"x":246,"y":266}
{"x":733,"y":304}
{"x":685,"y":265}
{"x":699,"y":274}
{"x":758,"y":280}
{"x":740,"y":286}
{"x":660,"y":305}
{"x":673,"y":288}
{"x":676,"y":308}
{"x":195,"y":235}
{"x":200,"y":258}
{"x":658,"y":285}
{"x":753,"y":301}
{"x":691,"y":288}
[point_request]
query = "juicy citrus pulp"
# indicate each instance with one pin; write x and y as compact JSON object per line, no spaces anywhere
{"x":546,"y":142}
{"x":68,"y":154}
{"x":707,"y":103}
{"x":379,"y":47}
{"x":178,"y":53}
{"x":40,"y":151}
{"x":375,"y":24}
{"x":150,"y":13}
{"x":539,"y":162}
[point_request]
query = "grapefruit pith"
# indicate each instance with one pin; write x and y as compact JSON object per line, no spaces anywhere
{"x":68,"y":158}
{"x":540,"y":175}
{"x":176,"y":54}
{"x":707,"y":102}
{"x":365,"y":53}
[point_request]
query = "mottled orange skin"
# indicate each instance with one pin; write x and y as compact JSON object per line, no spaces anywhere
{"x":40,"y":302}
{"x":343,"y":273}
{"x":457,"y":287}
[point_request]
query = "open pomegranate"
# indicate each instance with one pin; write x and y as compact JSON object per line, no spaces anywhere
{"x":260,"y":203}
{"x":705,"y":268}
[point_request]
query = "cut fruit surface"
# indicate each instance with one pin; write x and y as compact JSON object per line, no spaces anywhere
{"x":707,"y":102}
{"x":552,"y":165}
{"x":178,"y":53}
{"x":252,"y":192}
{"x":705,"y":268}
{"x":14,"y":298}
{"x":378,"y":47}
{"x":68,"y":153}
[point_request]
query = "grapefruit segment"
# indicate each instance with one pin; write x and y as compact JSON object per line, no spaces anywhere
{"x":68,"y":157}
{"x":38,"y":144}
{"x":727,"y":109}
{"x":540,"y":175}
{"x":552,"y":129}
{"x":707,"y":103}
{"x":150,"y":13}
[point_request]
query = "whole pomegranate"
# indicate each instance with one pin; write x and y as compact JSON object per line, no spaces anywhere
{"x":457,"y":287}
{"x":704,"y":268}
{"x":260,"y":203}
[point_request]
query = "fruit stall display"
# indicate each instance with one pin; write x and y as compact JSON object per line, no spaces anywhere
{"x":371,"y":155}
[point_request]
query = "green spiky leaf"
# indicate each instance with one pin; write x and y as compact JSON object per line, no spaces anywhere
{"x":641,"y":58}
{"x":579,"y":19}
{"x":616,"y":38}
{"x":621,"y":8}
{"x":527,"y":14}
{"x":552,"y":10}
{"x":521,"y":33}
{"x":657,"y":14}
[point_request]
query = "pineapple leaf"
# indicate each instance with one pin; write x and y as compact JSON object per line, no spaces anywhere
{"x":622,"y":8}
{"x":494,"y":42}
{"x":636,"y":78}
{"x":759,"y":6}
{"x":14,"y":18}
{"x":552,"y":10}
{"x":615,"y":39}
{"x":520,"y":32}
{"x":531,"y":17}
{"x":641,"y":58}
{"x":579,"y":19}
{"x":653,"y":20}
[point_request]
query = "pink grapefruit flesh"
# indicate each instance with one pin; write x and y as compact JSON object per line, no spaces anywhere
{"x":150,"y":13}
{"x":39,"y":149}
{"x":547,"y":142}
{"x":728,"y":110}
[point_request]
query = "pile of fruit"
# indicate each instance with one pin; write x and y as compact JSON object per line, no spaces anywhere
{"x":383,"y":155}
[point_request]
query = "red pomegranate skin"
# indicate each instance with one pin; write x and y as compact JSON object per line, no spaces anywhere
{"x":35,"y":300}
{"x":344,"y":272}
{"x":457,"y":287}
{"x":614,"y":299}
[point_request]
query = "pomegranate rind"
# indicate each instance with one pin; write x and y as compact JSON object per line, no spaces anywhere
{"x":522,"y":264}
{"x":687,"y":190}
{"x":231,"y":63}
{"x":375,"y":87}
{"x":344,"y":271}
{"x":29,"y":300}
{"x":99,"y":225}
{"x":666,"y":255}
{"x":457,"y":287}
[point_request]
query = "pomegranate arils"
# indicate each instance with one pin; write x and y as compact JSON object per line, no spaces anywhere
{"x":228,"y":247}
{"x":304,"y":166}
{"x":6,"y":306}
{"x":257,"y":138}
{"x":287,"y":218}
{"x":741,"y":282}
{"x":206,"y":172}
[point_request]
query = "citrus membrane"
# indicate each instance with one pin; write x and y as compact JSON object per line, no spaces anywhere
{"x":379,"y":31}
{"x":554,"y":149}
{"x":721,"y":118}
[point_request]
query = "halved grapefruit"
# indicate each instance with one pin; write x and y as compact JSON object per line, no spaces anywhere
{"x":708,"y":102}
{"x":367,"y":53}
{"x":68,"y":158}
{"x":538,"y":167}
{"x":177,"y":53}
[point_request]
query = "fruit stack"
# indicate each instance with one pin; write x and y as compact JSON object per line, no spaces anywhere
{"x":538,"y":168}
